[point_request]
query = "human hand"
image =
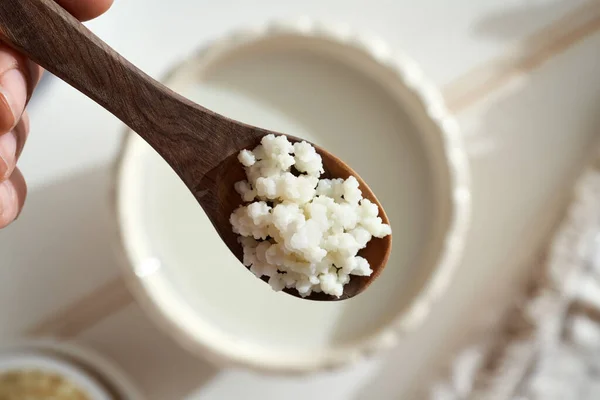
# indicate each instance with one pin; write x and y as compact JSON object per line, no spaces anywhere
{"x":18,"y":78}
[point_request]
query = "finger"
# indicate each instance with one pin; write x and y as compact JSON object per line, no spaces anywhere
{"x":12,"y":197}
{"x":85,"y":10}
{"x":11,"y":146}
{"x":18,"y":77}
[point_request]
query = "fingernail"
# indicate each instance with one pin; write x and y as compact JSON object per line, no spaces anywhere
{"x":14,"y":88}
{"x":8,"y":154}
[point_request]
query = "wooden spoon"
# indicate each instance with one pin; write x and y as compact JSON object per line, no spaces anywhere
{"x":200,"y":145}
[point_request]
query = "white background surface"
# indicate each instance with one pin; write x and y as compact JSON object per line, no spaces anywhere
{"x":527,"y":143}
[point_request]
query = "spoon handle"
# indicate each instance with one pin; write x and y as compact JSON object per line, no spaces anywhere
{"x":54,"y":39}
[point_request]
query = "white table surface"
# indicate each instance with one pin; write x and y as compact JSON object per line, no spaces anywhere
{"x":527,"y":139}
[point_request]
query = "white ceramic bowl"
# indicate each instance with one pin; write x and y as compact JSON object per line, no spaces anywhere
{"x":95,"y":376}
{"x":351,"y":95}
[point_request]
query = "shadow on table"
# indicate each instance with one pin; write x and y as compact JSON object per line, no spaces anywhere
{"x":163,"y":369}
{"x":57,"y":251}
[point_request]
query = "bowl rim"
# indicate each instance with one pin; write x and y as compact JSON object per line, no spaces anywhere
{"x":456,"y":164}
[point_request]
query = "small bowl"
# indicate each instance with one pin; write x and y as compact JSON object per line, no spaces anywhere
{"x":49,"y":365}
{"x":351,"y":95}
{"x":94,"y":376}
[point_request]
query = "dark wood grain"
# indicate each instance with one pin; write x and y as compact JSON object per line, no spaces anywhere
{"x":200,"y":145}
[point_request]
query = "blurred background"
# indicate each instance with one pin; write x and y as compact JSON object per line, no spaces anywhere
{"x":522,"y":78}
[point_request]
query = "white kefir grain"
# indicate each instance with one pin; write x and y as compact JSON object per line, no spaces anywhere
{"x":301,"y":231}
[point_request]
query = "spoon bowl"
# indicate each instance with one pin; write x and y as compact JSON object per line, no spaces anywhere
{"x":231,"y":171}
{"x":200,"y":145}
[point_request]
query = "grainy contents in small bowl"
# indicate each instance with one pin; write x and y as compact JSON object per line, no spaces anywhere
{"x":38,"y":385}
{"x":301,"y":231}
